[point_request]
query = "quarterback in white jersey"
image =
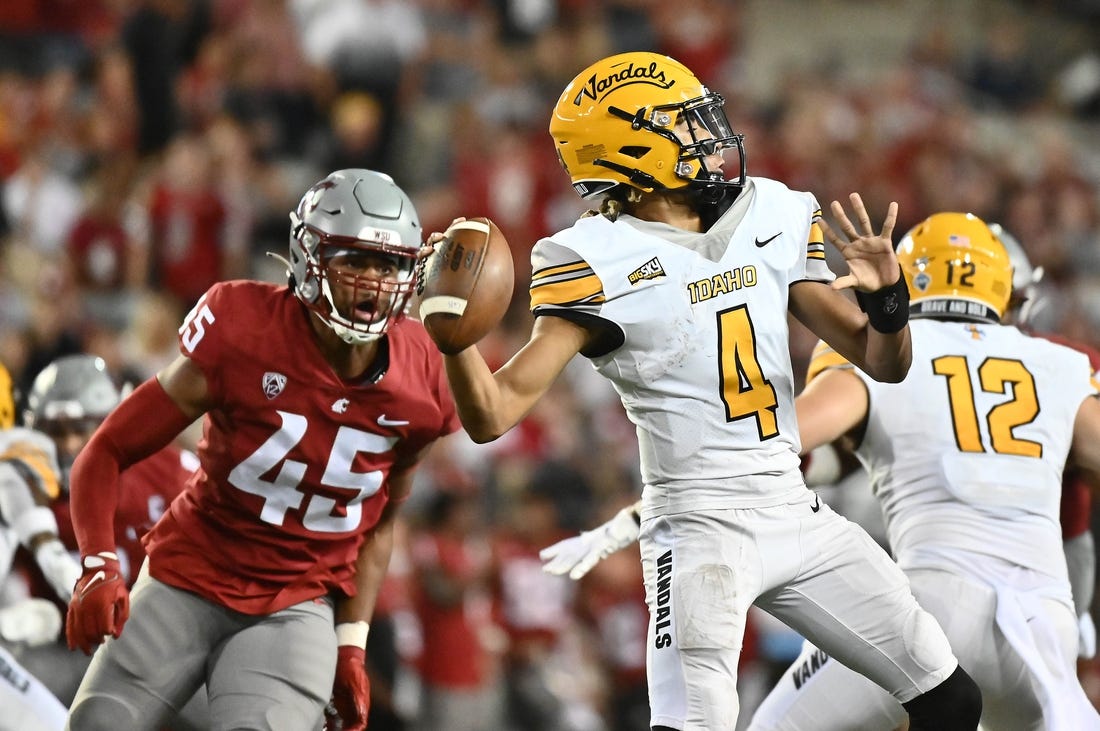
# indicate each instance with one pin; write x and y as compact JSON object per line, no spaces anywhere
{"x":29,"y":476}
{"x":678,"y":292}
{"x":966,"y":457}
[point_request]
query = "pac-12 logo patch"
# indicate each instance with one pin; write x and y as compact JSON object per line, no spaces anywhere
{"x":274,"y":383}
{"x":650,"y":270}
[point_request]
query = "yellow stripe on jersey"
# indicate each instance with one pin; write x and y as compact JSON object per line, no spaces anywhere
{"x":823,"y":359}
{"x":588,"y":289}
{"x":815,"y":245}
{"x":817,"y":236}
{"x":38,"y":462}
{"x":559,"y":270}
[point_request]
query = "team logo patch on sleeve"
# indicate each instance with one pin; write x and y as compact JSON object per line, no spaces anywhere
{"x":650,"y":270}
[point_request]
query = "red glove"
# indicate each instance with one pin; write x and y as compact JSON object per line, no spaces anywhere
{"x":351,"y":691}
{"x":100,"y":603}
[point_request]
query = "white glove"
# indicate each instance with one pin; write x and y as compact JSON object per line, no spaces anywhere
{"x":579,"y":554}
{"x":1086,"y":637}
{"x":31,"y":621}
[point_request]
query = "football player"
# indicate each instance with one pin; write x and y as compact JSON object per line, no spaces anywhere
{"x":966,"y":457}
{"x":968,"y":470}
{"x":66,"y":402}
{"x":1077,"y":485}
{"x":320,"y":398}
{"x":28,"y":480}
{"x":678,"y":291}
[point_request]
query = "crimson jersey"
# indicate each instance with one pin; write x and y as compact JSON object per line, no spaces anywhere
{"x":294,"y":460}
{"x":1076,"y":510}
{"x":145,"y":490}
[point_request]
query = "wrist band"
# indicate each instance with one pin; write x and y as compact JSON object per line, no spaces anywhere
{"x":352,"y":633}
{"x":887,"y":308}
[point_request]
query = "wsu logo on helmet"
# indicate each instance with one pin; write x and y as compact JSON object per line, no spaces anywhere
{"x":597,"y":88}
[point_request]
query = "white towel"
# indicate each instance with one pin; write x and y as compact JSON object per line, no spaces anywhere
{"x":1065,"y":705}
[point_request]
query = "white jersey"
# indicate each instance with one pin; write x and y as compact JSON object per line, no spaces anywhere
{"x":696,"y":340}
{"x":966,"y":454}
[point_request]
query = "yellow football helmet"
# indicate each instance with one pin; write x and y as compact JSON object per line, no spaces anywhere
{"x":956,"y":267}
{"x":616,"y":123}
{"x":7,"y":399}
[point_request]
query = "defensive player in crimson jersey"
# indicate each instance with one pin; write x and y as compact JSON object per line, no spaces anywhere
{"x":66,"y":403}
{"x":320,"y":399}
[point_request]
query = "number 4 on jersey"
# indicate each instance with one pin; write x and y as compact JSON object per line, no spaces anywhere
{"x":745,"y":390}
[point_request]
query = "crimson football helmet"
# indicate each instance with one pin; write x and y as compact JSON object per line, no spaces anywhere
{"x":354,"y":211}
{"x":617,"y":123}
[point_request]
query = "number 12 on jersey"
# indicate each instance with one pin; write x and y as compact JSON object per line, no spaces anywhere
{"x":746,"y":391}
{"x":994,"y":375}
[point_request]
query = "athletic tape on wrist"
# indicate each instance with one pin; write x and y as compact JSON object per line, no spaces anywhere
{"x":352,"y":633}
{"x":887,"y":308}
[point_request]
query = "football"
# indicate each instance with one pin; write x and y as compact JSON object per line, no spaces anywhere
{"x":466,"y":284}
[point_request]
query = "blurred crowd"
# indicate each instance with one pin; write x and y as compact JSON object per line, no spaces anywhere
{"x":149,"y":148}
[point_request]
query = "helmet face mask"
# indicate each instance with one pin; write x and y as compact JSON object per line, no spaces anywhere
{"x":956,"y":268}
{"x":643,"y":120}
{"x":354,"y":242}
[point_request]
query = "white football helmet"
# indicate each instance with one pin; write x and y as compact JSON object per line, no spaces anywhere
{"x":354,"y":210}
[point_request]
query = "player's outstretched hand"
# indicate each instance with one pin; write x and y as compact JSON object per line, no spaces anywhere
{"x":100,"y":604}
{"x":577,"y":555}
{"x":872,"y":263}
{"x":351,"y":690}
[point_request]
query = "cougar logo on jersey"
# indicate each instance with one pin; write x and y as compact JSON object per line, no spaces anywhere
{"x":596,"y":89}
{"x":650,"y":270}
{"x":805,"y":671}
{"x":724,"y":283}
{"x":662,"y":638}
{"x":274,"y":383}
{"x":340,"y":405}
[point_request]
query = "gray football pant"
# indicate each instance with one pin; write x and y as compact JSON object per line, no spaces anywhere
{"x":264,"y":673}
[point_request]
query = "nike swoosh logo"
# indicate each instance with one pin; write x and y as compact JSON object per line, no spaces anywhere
{"x":765,"y":242}
{"x":383,"y":421}
{"x":817,"y":503}
{"x":96,"y":577}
